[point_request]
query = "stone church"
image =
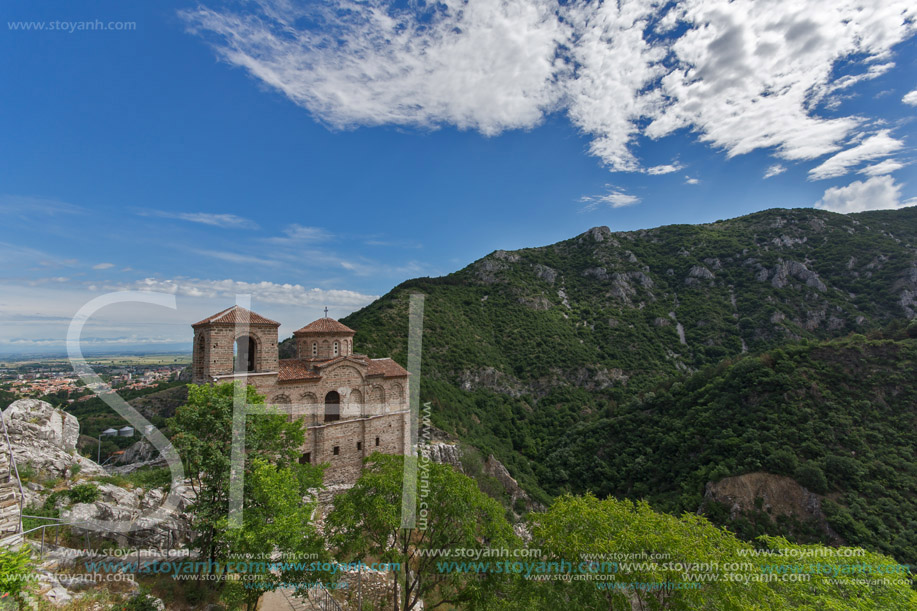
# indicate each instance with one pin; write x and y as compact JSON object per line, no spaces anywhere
{"x":352,"y":405}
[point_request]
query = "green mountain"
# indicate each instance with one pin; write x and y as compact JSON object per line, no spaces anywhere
{"x":531,"y":354}
{"x":838,"y":417}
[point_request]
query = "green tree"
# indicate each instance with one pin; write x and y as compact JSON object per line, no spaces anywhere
{"x":203,"y":437}
{"x":712,"y":569}
{"x":277,"y":523}
{"x":452,"y":513}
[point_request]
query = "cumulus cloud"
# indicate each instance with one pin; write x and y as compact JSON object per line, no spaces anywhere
{"x":774,"y":170}
{"x":910,"y":98}
{"x":873,"y":147}
{"x":103,"y":266}
{"x":230,"y":221}
{"x":267,"y":292}
{"x":615,"y":198}
{"x":876,"y":193}
{"x":741,"y":74}
{"x":691,"y":181}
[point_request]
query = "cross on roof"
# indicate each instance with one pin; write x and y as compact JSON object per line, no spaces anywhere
{"x":326,"y":311}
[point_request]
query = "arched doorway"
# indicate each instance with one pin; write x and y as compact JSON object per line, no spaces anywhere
{"x":246,"y":353}
{"x":332,"y":406}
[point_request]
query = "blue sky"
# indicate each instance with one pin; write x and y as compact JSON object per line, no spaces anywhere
{"x":319,"y":154}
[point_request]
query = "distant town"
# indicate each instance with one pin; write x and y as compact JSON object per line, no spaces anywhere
{"x":54,"y":378}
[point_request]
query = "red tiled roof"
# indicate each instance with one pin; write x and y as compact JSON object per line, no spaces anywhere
{"x":237,"y":315}
{"x":325,"y":325}
{"x":295,"y":369}
{"x":386,"y":368}
{"x":310,"y":369}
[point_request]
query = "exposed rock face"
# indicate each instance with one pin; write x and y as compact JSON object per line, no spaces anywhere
{"x":117,"y":503}
{"x":786,"y":269}
{"x":545,"y":273}
{"x":598,"y":234}
{"x":37,"y":419}
{"x":495,"y":469}
{"x":779,"y":496}
{"x":446,"y":454}
{"x":492,"y":379}
{"x":699,"y":271}
{"x":45,"y":437}
{"x":142,"y":451}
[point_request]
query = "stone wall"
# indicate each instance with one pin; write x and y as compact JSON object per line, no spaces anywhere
{"x":214,"y":346}
{"x":343,"y":445}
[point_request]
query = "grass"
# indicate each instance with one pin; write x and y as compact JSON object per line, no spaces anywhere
{"x":147,"y":479}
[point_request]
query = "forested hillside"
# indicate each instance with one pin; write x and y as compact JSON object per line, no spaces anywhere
{"x":528,"y":353}
{"x":838,"y":417}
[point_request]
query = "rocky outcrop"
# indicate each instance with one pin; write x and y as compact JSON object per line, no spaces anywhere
{"x":491,"y":379}
{"x":446,"y":454}
{"x":787,"y":269}
{"x":45,"y":438}
{"x":140,"y":452}
{"x":494,"y":468}
{"x":116,"y":503}
{"x":545,"y":273}
{"x":776,"y":495}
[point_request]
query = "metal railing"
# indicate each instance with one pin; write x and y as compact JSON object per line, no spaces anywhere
{"x":323,"y":599}
{"x":44,"y":527}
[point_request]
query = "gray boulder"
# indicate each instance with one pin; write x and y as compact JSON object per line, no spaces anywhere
{"x":45,"y":437}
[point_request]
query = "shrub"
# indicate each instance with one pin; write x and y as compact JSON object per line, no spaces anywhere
{"x":83,"y":493}
{"x":843,"y":470}
{"x":812,"y":477}
{"x":142,"y":601}
{"x":13,"y":565}
{"x":783,"y":462}
{"x":27,"y":472}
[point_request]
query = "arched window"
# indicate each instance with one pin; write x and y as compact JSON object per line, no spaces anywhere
{"x":332,"y":406}
{"x":314,"y":348}
{"x":335,"y":348}
{"x":246,"y":354}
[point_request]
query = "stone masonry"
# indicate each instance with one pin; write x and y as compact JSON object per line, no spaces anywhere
{"x":352,"y":405}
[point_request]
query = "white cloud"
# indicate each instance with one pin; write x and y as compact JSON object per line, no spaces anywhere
{"x":299,"y":233}
{"x":742,"y":74}
{"x":27,"y":205}
{"x":487,"y":66}
{"x":266,"y":292}
{"x":226,"y":221}
{"x":749,"y":74}
{"x":691,"y":181}
{"x":873,"y":147}
{"x":615,"y":198}
{"x":876,"y":193}
{"x":103,"y":266}
{"x":910,"y":98}
{"x":235,"y":257}
{"x":774,"y":170}
{"x":883,"y":167}
{"x":664,"y":169}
